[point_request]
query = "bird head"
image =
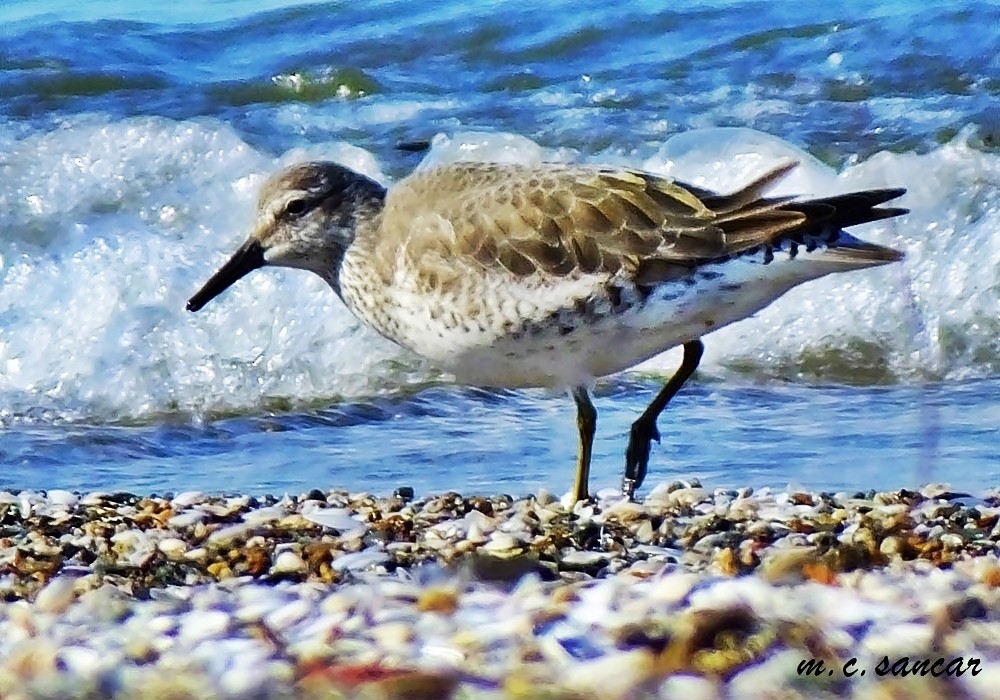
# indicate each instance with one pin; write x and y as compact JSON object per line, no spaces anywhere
{"x":307,"y":217}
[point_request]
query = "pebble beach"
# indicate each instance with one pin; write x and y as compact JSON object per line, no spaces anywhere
{"x":691,"y":592}
{"x":827,"y":517}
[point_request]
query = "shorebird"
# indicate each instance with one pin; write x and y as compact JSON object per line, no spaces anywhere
{"x":552,"y":275}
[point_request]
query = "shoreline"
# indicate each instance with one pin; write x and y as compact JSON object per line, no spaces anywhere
{"x":690,"y":591}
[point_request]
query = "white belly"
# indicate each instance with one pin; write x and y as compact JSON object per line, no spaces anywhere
{"x":613,"y":344}
{"x":479,"y":334}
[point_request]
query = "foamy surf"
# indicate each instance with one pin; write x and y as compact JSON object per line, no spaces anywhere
{"x":930,"y":317}
{"x":106,"y":227}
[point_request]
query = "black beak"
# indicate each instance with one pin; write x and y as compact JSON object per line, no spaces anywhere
{"x":245,"y":260}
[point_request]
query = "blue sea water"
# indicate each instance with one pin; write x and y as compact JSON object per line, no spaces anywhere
{"x":133,"y":137}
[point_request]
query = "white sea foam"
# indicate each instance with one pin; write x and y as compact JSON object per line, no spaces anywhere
{"x":933,"y":316}
{"x":106,"y":228}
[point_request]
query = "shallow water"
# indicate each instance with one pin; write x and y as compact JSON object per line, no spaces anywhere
{"x":132,"y":141}
{"x":828,"y":438}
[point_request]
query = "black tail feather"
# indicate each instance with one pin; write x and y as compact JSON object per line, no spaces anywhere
{"x":844,"y":210}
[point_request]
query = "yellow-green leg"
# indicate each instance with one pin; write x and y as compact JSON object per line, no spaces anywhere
{"x":586,"y":423}
{"x":644,"y":429}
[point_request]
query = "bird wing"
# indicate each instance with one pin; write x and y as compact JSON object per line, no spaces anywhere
{"x":557,"y":219}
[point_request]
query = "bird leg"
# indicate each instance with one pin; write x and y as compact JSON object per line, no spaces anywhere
{"x":644,"y":429}
{"x":586,"y":423}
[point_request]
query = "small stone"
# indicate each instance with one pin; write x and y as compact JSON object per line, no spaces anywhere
{"x":952,"y":541}
{"x":220,"y":570}
{"x":227,"y":536}
{"x":315,"y":495}
{"x":891,"y":546}
{"x":787,"y":565}
{"x":186,"y":519}
{"x":187,"y":499}
{"x":645,"y":533}
{"x":289,"y":614}
{"x":440,"y":600}
{"x":63,"y":498}
{"x":266,"y":514}
{"x":500,"y":542}
{"x":172,"y":547}
{"x":357,"y":561}
{"x":334,"y":519}
{"x":289,"y":562}
{"x":584,"y":559}
{"x":203,"y":624}
{"x":56,"y":596}
{"x":80,"y":661}
{"x":544,"y":497}
{"x":474,"y":534}
{"x":199,"y":554}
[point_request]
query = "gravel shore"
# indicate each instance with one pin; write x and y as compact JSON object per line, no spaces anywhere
{"x":691,"y":593}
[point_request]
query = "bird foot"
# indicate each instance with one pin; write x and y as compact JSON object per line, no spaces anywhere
{"x":628,"y":488}
{"x":637,"y":455}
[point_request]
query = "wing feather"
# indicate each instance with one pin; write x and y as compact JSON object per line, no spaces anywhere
{"x":555,"y":219}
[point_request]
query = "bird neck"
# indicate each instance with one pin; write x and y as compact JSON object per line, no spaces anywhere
{"x":365,"y":220}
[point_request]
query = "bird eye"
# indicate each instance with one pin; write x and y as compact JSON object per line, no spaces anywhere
{"x":296,"y":207}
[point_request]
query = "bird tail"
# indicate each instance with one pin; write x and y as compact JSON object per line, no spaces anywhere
{"x":749,"y":219}
{"x":827,"y":217}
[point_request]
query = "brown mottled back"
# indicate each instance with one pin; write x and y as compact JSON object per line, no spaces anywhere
{"x":558,"y":219}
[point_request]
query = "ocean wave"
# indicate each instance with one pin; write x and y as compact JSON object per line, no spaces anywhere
{"x":107,"y":227}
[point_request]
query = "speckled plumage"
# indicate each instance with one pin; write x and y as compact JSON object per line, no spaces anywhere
{"x":509,"y":275}
{"x":553,"y":275}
